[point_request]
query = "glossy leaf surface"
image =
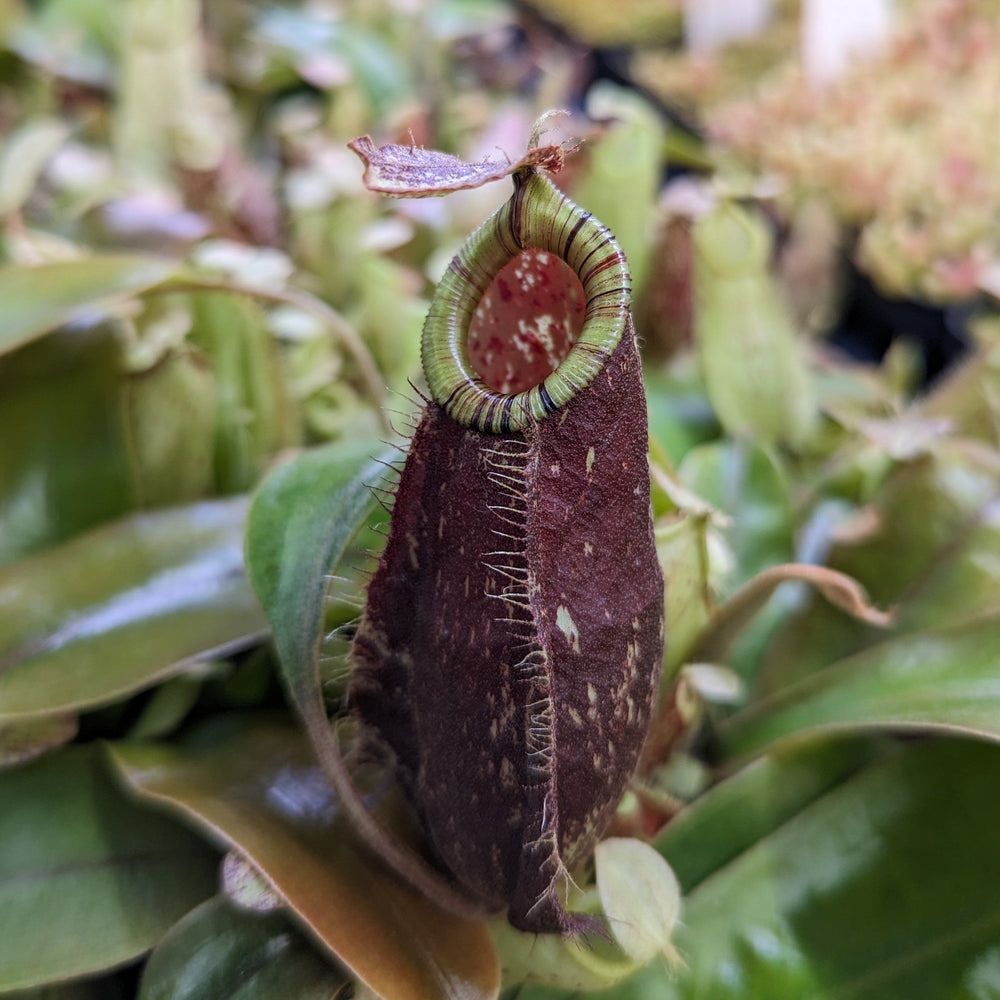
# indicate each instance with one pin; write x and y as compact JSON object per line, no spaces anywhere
{"x":732,"y":816}
{"x":218,"y":953}
{"x":884,"y":887}
{"x":940,"y":680}
{"x":22,"y":740}
{"x":255,"y":786}
{"x":123,"y":607}
{"x":88,"y":879}
{"x":301,"y":524}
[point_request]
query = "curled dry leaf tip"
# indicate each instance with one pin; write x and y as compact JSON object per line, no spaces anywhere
{"x":410,"y":171}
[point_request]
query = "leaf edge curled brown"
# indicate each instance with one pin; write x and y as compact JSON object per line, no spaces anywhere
{"x":414,"y":172}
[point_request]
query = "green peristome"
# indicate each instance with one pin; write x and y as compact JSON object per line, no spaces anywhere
{"x":538,"y":215}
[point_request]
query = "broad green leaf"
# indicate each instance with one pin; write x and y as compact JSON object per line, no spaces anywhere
{"x":83,"y":989}
{"x":64,"y":452}
{"x":20,"y":741}
{"x":947,"y":679}
{"x":884,"y":887}
{"x":218,"y":953}
{"x":747,"y":807}
{"x":88,"y":880}
{"x":300,"y":524}
{"x":123,"y":607}
{"x":38,"y":299}
{"x":254,"y":786}
{"x":933,"y":552}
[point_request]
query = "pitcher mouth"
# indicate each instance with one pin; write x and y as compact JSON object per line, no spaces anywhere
{"x":538,"y":218}
{"x":527,"y":322}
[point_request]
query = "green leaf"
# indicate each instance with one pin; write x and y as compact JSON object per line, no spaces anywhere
{"x":88,"y":880}
{"x":884,"y":887}
{"x":946,"y":679}
{"x":932,"y":551}
{"x":218,"y":953}
{"x":37,"y":300}
{"x":255,"y":787}
{"x":640,"y":896}
{"x":300,"y":524}
{"x":83,"y":989}
{"x":123,"y":607}
{"x":731,"y":817}
{"x":20,"y":741}
{"x":64,"y":450}
{"x":744,"y":481}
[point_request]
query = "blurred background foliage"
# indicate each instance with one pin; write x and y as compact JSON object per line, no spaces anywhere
{"x":200,"y":303}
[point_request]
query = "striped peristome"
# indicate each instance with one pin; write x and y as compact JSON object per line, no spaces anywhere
{"x":508,"y":658}
{"x":541,"y":216}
